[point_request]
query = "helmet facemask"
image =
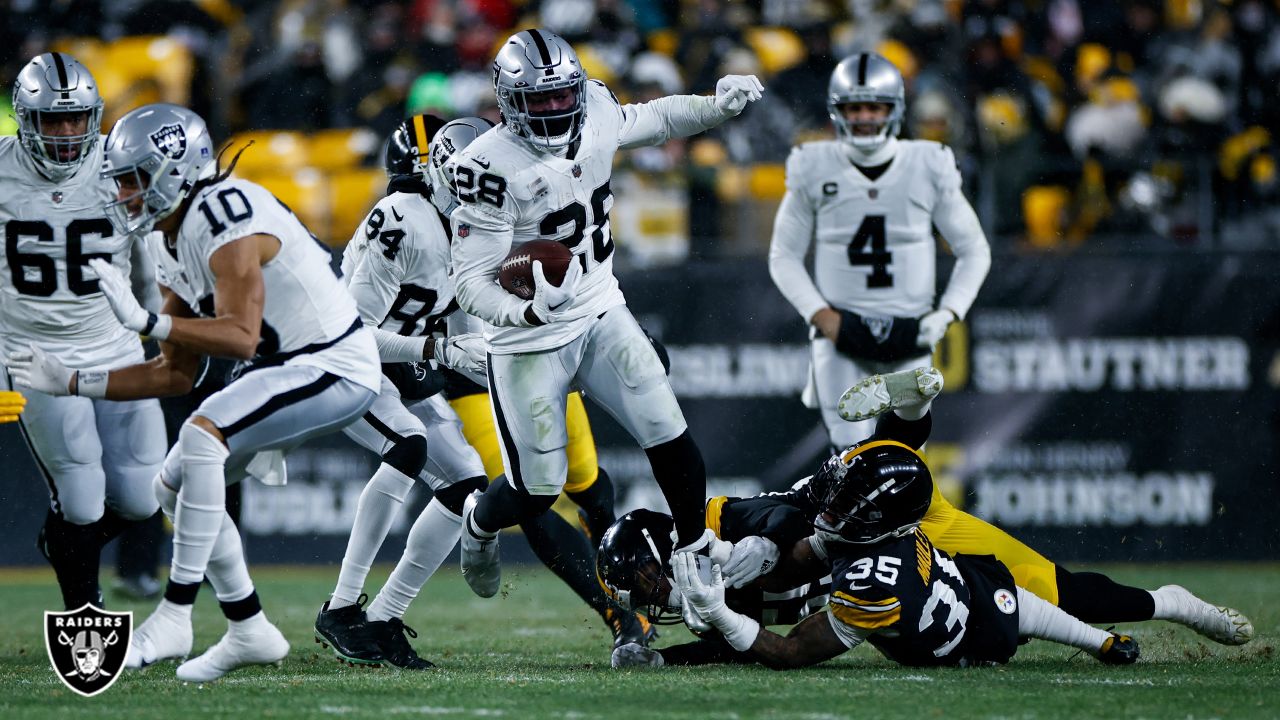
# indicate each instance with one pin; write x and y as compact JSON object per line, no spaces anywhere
{"x":541,"y":88}
{"x":869,"y":497}
{"x":145,"y":205}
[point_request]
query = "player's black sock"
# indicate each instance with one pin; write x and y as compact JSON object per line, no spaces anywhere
{"x":597,"y":502}
{"x":242,"y":609}
{"x":181,"y":593}
{"x":503,"y":506}
{"x":913,"y":433}
{"x":111,"y":525}
{"x":566,"y":552}
{"x":677,"y":466}
{"x":138,"y":552}
{"x":1096,"y":598}
{"x":74,"y":552}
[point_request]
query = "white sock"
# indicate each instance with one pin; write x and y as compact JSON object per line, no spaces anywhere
{"x":1038,"y":618}
{"x":228,"y":572}
{"x":379,"y":502}
{"x":174,"y":609}
{"x":431,"y":538}
{"x":201,"y":503}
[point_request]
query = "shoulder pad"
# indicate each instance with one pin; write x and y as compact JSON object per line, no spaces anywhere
{"x":604,"y":87}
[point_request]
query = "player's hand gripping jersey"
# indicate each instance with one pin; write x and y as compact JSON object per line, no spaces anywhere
{"x":48,"y":296}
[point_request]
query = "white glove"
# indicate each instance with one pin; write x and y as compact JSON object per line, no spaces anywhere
{"x":733,"y":92}
{"x":751,"y":557}
{"x":550,"y":301}
{"x":40,"y":371}
{"x":707,"y":599}
{"x":464,"y":353}
{"x":718,"y":550}
{"x":636,"y":655}
{"x":933,"y":326}
{"x":119,"y":293}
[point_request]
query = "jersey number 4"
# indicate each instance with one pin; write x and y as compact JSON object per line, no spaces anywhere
{"x":868,"y":248}
{"x":35,"y":273}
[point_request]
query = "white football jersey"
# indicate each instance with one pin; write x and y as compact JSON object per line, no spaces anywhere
{"x":397,"y":266}
{"x":48,"y":295}
{"x":505,"y":185}
{"x":306,"y":303}
{"x":875,"y":252}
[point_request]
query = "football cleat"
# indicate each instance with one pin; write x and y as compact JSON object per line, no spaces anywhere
{"x":1118,"y":650}
{"x":628,"y":627}
{"x":480,"y":565}
{"x":390,"y":636}
{"x":247,"y":642}
{"x":346,"y":630}
{"x":166,"y":633}
{"x":1218,"y":623}
{"x":878,"y":394}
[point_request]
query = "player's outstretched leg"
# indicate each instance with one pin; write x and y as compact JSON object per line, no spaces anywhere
{"x":879,"y":394}
{"x":1037,"y":618}
{"x":1218,"y":623}
{"x":253,"y":641}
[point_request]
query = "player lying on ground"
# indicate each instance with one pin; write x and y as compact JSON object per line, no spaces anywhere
{"x":760,"y":526}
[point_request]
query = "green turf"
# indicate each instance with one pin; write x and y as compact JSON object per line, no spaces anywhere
{"x":535,"y":652}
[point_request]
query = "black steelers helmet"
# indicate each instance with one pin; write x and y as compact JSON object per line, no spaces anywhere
{"x":871,"y":492}
{"x":633,"y":563}
{"x":408,"y":148}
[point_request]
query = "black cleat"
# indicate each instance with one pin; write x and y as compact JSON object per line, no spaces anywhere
{"x":347,"y":631}
{"x":628,"y":627}
{"x":395,"y":648}
{"x":1119,"y":650}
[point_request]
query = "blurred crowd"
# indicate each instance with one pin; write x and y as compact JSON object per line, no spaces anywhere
{"x":1077,"y":122}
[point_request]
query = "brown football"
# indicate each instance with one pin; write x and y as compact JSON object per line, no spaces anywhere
{"x":516,"y":272}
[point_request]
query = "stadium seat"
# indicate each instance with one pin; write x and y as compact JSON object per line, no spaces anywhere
{"x":272,"y":152}
{"x":160,"y":59}
{"x":778,"y":48}
{"x":340,"y":149}
{"x":767,"y":181}
{"x":1043,"y":210}
{"x":663,"y":42}
{"x":304,"y":191}
{"x":351,"y":195}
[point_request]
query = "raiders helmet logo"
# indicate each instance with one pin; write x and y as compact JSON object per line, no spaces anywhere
{"x":171,"y":141}
{"x":879,"y":327}
{"x":87,"y":647}
{"x":577,"y":171}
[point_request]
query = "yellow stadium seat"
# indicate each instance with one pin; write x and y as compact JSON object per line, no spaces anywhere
{"x":88,"y":50}
{"x":340,"y":149}
{"x":272,"y":152}
{"x":767,"y":181}
{"x":158,"y":58}
{"x":663,"y":42}
{"x":778,"y":48}
{"x":306,"y":194}
{"x":351,"y":195}
{"x":1043,"y":210}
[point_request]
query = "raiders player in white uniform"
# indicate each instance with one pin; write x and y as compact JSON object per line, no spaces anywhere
{"x":397,"y":269}
{"x":544,"y":174}
{"x":870,"y":202}
{"x":98,"y":457}
{"x":242,"y":278}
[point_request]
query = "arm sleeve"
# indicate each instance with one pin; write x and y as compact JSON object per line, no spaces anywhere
{"x":673,"y":116}
{"x":955,"y":219}
{"x":481,"y":240}
{"x":375,"y":283}
{"x":792,"y":235}
{"x":142,"y":275}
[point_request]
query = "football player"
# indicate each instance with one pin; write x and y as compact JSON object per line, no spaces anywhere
{"x":544,"y":174}
{"x":892,"y":587}
{"x":97,"y":457}
{"x":397,"y":268}
{"x":242,"y":278}
{"x":870,"y":202}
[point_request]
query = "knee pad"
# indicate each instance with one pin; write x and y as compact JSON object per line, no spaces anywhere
{"x":408,"y":455}
{"x":453,"y":496}
{"x":201,"y":447}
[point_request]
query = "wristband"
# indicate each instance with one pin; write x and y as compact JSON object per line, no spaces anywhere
{"x":159,"y":328}
{"x":91,"y":383}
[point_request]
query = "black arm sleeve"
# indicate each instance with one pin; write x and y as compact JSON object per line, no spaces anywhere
{"x":770,"y":516}
{"x":704,"y":652}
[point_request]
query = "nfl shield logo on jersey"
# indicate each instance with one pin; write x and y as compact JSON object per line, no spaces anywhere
{"x":878,"y":326}
{"x":57,"y":197}
{"x":464,"y":230}
{"x":170,"y":140}
{"x":87,"y":647}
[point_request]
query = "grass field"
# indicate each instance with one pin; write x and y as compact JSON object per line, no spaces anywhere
{"x":536,"y":652}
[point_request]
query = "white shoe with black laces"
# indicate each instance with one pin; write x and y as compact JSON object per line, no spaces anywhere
{"x":878,"y":394}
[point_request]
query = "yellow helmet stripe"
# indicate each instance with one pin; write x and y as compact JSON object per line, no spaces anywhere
{"x":854,"y":452}
{"x":420,"y":134}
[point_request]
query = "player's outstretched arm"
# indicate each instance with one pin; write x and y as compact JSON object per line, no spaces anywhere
{"x":677,"y":116}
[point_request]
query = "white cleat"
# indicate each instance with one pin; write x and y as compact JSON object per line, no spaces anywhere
{"x":480,"y":565}
{"x":166,"y":633}
{"x":247,"y":642}
{"x":879,"y":394}
{"x":1220,"y":624}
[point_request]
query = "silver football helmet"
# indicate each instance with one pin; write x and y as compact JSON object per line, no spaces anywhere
{"x":866,"y":78}
{"x":533,"y":62}
{"x":450,"y":139}
{"x":162,"y":150}
{"x":55,"y":84}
